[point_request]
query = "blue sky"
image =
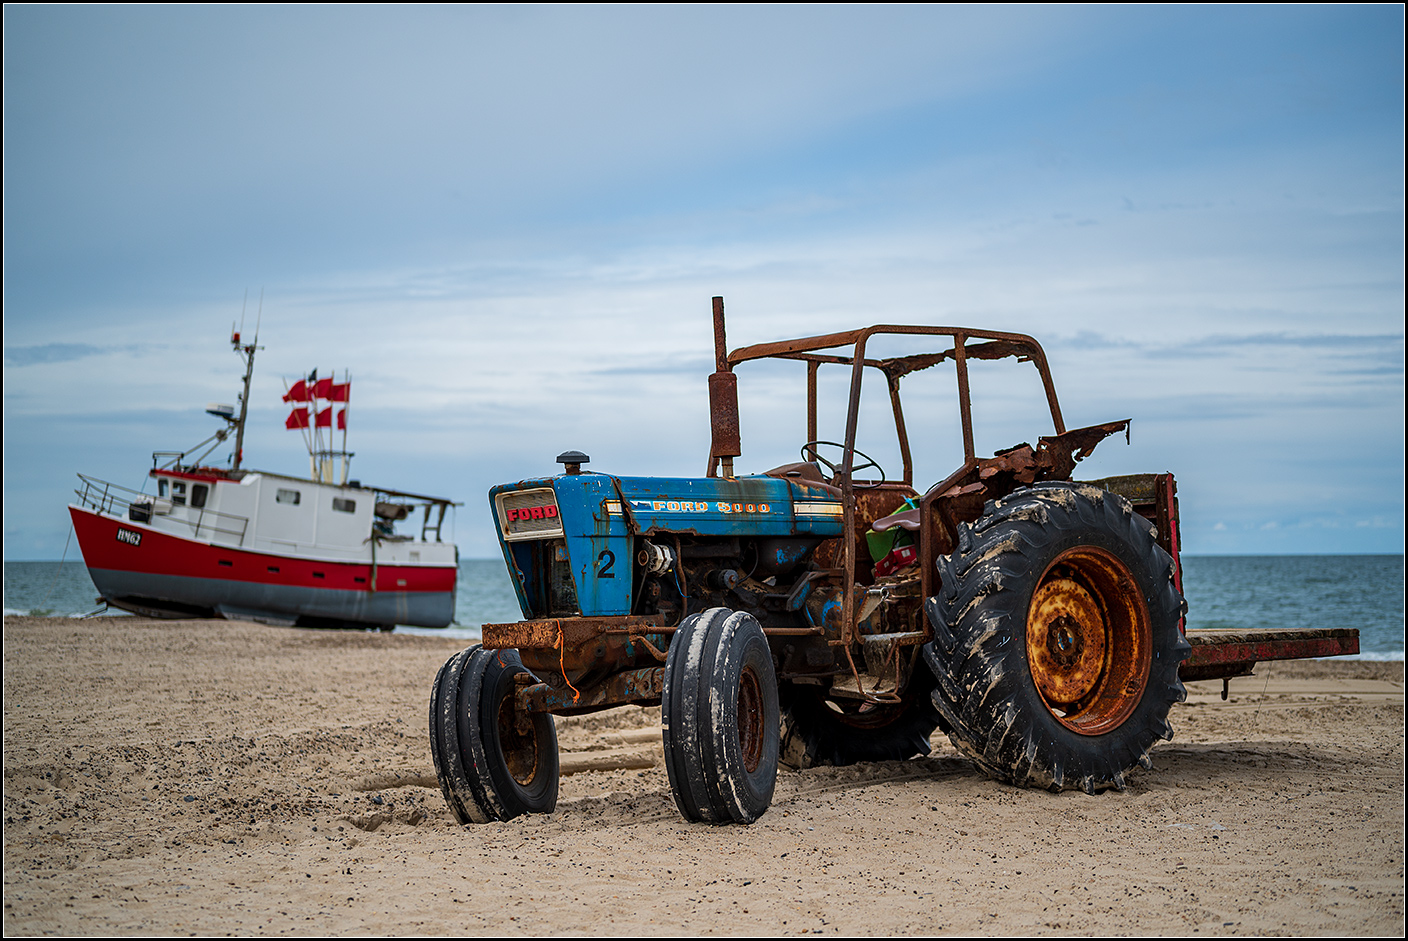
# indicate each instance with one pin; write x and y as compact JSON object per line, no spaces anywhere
{"x":507,"y":222}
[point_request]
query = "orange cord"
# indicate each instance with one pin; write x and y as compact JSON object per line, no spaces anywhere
{"x":561,"y":661}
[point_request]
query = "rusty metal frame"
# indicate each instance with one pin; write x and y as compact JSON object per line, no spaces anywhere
{"x":1221,"y":654}
{"x":642,"y":686}
{"x":811,"y":350}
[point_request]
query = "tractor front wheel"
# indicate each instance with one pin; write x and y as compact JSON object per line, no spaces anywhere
{"x":493,"y":763}
{"x":720,"y":718}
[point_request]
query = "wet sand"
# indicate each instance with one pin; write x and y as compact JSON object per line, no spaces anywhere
{"x":205,"y":778}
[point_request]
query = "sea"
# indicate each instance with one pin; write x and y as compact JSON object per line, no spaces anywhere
{"x":1234,"y":592}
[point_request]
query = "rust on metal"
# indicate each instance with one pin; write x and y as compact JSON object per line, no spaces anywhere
{"x":938,"y":528}
{"x":570,"y":632}
{"x":1089,"y":640}
{"x":518,"y":739}
{"x":869,"y":503}
{"x":1155,"y":497}
{"x":812,"y":367}
{"x":960,"y":497}
{"x":1169,"y":533}
{"x":650,"y":648}
{"x":723,"y":403}
{"x":577,"y":652}
{"x":965,"y":397}
{"x":1217,"y":653}
{"x":751,"y":731}
{"x":642,"y":687}
{"x":996,"y":345}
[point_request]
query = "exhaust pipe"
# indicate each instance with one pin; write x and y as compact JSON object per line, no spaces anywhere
{"x":723,"y":404}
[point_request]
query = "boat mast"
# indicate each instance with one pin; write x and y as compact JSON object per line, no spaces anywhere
{"x":247,"y":351}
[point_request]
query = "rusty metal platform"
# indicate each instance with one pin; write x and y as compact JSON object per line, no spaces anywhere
{"x":1219,"y":654}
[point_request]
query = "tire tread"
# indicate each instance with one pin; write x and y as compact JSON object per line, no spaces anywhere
{"x":983,"y":690}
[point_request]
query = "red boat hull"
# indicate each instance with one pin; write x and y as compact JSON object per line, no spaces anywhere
{"x":141,"y":569}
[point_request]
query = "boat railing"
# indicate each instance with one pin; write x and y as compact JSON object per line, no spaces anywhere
{"x":115,"y":500}
{"x":105,"y":497}
{"x":390,"y":509}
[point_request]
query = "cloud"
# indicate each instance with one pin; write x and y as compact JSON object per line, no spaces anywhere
{"x":49,"y":353}
{"x":508,"y":222}
{"x":1227,"y":344}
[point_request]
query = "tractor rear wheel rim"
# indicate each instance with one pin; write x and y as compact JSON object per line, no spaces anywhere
{"x":1089,"y":638}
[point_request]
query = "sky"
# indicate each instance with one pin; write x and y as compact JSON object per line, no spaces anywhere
{"x":507,"y":224}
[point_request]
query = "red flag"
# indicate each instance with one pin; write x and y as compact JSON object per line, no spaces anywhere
{"x":299,"y":393}
{"x":342,"y":420}
{"x":298,"y":418}
{"x":322,"y":389}
{"x":341,"y":392}
{"x":324,"y":419}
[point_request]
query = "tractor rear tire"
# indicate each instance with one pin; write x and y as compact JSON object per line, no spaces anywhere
{"x":814,"y":734}
{"x":1057,"y":639}
{"x":490,"y":765}
{"x":720,"y":718}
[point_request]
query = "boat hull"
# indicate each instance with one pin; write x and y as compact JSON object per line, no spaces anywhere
{"x":146,"y":571}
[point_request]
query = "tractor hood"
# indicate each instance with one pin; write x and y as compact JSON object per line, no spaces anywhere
{"x":597,"y":516}
{"x":587,"y":505}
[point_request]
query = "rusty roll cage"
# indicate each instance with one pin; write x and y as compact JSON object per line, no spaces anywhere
{"x":994,"y":345}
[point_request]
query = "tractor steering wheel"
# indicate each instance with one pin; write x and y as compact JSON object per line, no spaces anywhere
{"x":810,"y":453}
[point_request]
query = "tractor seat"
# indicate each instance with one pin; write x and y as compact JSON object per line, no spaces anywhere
{"x":905,"y":519}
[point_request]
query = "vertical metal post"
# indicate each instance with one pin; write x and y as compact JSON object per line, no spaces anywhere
{"x":723,"y":402}
{"x":965,"y":402}
{"x":848,"y":501}
{"x":812,"y":366}
{"x":1044,"y":369}
{"x":895,"y":406}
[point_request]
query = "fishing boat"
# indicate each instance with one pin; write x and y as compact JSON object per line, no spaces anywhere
{"x":317,"y":551}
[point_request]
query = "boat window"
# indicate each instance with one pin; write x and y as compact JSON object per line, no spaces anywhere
{"x":344,"y":506}
{"x":198,"y":494}
{"x":161,"y":486}
{"x":287,"y":496}
{"x":178,"y":492}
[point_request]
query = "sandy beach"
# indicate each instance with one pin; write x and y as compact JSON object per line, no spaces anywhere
{"x":189,"y":777}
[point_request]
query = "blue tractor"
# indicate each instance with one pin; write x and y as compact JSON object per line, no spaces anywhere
{"x":822,"y":612}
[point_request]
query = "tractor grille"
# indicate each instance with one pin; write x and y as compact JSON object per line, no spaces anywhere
{"x":529,"y":514}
